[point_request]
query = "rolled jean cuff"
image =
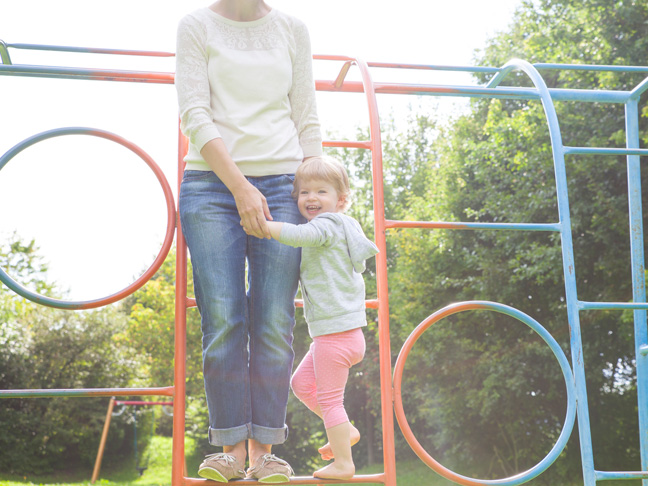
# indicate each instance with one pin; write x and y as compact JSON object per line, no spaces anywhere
{"x":229,"y":437}
{"x":265,"y":435}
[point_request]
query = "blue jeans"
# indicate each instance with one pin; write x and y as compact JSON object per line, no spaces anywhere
{"x":247,"y":333}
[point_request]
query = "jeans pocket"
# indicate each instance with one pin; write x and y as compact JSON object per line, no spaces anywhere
{"x":196,"y":175}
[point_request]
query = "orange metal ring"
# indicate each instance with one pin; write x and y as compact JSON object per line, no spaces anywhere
{"x":168,"y":238}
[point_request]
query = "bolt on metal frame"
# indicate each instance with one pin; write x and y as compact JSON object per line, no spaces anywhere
{"x":391,"y":402}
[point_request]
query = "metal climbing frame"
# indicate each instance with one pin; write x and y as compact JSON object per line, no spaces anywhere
{"x":391,"y":403}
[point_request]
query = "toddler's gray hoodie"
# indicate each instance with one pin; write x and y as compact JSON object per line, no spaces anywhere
{"x":333,"y":258}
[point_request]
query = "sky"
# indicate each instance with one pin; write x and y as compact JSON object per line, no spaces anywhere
{"x":94,"y":208}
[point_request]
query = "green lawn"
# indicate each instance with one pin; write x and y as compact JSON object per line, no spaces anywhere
{"x":158,"y":473}
{"x":410,"y":473}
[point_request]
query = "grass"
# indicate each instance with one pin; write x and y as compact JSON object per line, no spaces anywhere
{"x":158,"y":473}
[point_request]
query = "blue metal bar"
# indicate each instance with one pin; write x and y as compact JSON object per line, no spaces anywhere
{"x":592,"y":67}
{"x":504,"y":92}
{"x":474,"y":226}
{"x":91,"y":74}
{"x":639,"y":90}
{"x":583,"y":305}
{"x":91,"y":50}
{"x":638,"y":275}
{"x":605,"y":151}
{"x":610,"y":475}
{"x":381,"y":88}
{"x":435,"y":67}
{"x":568,"y":268}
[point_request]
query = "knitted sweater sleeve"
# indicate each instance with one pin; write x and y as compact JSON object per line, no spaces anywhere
{"x":192,"y":83}
{"x":302,"y":94}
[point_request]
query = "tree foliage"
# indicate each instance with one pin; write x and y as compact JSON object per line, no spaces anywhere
{"x":44,"y":348}
{"x":493,"y":400}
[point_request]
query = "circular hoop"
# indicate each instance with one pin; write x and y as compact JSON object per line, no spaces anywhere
{"x":168,"y":238}
{"x":555,"y":348}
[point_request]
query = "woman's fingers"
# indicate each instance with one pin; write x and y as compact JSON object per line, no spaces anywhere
{"x":253,"y":210}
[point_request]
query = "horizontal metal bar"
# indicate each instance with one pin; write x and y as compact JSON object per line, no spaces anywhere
{"x":88,"y":74}
{"x":360,"y":478}
{"x":592,"y":67}
{"x":349,"y":86}
{"x":140,"y":402}
{"x":610,"y":475}
{"x":506,"y":92}
{"x":88,"y":392}
{"x":369,"y":303}
{"x":425,"y":89}
{"x":611,"y":305}
{"x":347,"y":144}
{"x":91,"y":50}
{"x":474,"y":226}
{"x":435,"y":67}
{"x":603,"y":151}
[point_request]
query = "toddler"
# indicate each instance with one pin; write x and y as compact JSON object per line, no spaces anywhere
{"x":333,"y":258}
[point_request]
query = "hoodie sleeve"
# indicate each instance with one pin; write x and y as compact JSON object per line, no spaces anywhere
{"x":317,"y":232}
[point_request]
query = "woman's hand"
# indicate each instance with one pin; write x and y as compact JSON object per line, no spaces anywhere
{"x":250,"y":203}
{"x":253,"y":210}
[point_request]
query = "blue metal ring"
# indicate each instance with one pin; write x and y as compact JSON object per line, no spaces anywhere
{"x":555,"y":348}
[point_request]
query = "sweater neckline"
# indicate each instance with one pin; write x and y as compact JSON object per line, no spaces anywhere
{"x":239,"y":23}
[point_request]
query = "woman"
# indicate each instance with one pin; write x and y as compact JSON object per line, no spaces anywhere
{"x":247,"y":104}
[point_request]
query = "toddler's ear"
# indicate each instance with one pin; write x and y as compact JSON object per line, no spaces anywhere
{"x":342,"y":200}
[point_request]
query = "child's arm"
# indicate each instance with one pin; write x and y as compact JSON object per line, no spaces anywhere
{"x":275,"y":228}
{"x":299,"y":235}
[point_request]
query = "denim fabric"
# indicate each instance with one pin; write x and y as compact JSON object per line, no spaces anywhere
{"x":247,"y":332}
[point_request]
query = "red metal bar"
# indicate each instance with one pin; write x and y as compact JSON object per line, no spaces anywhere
{"x":180,"y":360}
{"x":140,"y":402}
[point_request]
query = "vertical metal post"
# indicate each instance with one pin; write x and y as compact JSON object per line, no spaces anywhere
{"x":569,"y":270}
{"x":178,"y":466}
{"x":638,"y":275}
{"x":386,"y":387}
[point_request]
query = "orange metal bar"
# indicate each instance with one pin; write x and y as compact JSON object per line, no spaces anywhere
{"x":389,"y":452}
{"x":87,"y":392}
{"x":365,"y":479}
{"x":347,"y":144}
{"x":178,"y":466}
{"x":102,"y":442}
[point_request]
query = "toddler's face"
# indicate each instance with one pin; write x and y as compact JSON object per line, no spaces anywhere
{"x":316,"y":197}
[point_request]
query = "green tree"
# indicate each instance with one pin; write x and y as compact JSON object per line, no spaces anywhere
{"x":44,"y":348}
{"x":494,"y":400}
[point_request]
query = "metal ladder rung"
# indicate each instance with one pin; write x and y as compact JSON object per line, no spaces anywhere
{"x":582,"y":305}
{"x":604,"y":151}
{"x":609,"y":475}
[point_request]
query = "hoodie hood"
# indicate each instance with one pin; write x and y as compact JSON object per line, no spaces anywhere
{"x":360,"y":248}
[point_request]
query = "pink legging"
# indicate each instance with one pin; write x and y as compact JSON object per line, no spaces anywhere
{"x":321,"y":377}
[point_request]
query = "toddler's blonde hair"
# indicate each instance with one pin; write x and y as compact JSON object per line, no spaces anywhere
{"x":324,"y":168}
